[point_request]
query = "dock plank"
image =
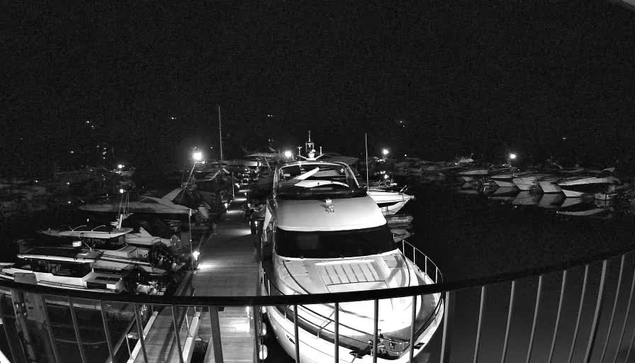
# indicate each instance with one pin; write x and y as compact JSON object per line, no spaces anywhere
{"x":227,"y":267}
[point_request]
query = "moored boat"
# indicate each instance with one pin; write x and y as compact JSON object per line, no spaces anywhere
{"x":324,"y":234}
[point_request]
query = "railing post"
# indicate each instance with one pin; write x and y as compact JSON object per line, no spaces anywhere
{"x":558,"y":314}
{"x":104,"y":320}
{"x":445,"y":356}
{"x":177,"y":334}
{"x":296,"y":334}
{"x":628,"y":311}
{"x":4,"y":326}
{"x":480,"y":321}
{"x":375,"y":328}
{"x":412,"y":328}
{"x":577,"y":323}
{"x":336,"y":353}
{"x":596,"y":314}
{"x":535,"y":319}
{"x":40,"y":300}
{"x":140,"y":330}
{"x":216,"y":338}
{"x":512,"y":294}
{"x":617,"y":295}
{"x":82,"y":354}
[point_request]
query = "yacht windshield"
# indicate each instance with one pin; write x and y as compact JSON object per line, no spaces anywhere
{"x":334,"y":244}
{"x":317,"y":181}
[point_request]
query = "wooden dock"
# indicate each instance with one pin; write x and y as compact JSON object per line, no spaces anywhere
{"x":227,"y":267}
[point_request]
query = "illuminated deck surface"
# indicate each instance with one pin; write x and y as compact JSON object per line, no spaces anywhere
{"x":227,"y":267}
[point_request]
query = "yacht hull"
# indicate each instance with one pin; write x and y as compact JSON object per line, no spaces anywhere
{"x":316,"y":348}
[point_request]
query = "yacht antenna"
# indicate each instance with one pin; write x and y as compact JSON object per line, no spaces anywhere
{"x":220,"y":138}
{"x":366,"y":148}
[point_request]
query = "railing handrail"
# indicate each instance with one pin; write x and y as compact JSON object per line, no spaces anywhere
{"x":316,"y":298}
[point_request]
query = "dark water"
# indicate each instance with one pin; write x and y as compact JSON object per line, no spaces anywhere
{"x":471,"y":235}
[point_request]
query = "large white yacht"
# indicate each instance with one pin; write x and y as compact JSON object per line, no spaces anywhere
{"x":324,"y":234}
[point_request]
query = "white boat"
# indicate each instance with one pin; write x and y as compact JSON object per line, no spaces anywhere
{"x":473,"y":173}
{"x":140,"y":204}
{"x":331,"y":237}
{"x":84,"y":231}
{"x":505,"y":179}
{"x":549,"y":185}
{"x":576,"y":187}
{"x":390,"y":202}
{"x":527,"y":181}
{"x":71,"y":268}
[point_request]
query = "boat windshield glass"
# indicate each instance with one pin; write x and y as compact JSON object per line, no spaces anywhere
{"x":334,"y":244}
{"x":310,"y":181}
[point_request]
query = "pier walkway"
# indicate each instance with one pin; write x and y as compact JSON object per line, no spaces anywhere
{"x":227,"y":267}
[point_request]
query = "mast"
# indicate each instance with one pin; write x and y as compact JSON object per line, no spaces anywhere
{"x":220,"y":137}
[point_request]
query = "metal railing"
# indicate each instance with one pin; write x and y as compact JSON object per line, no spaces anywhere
{"x":574,"y":312}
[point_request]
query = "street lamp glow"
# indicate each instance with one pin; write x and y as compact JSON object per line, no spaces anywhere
{"x":288,"y":154}
{"x":385,"y":152}
{"x":197,"y":155}
{"x":512,"y":156}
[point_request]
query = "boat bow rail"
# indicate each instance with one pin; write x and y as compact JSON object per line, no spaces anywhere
{"x":518,"y":315}
{"x":320,"y":320}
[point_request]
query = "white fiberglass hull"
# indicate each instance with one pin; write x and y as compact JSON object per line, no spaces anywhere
{"x":389,"y":202}
{"x":504,"y":183}
{"x":573,"y":193}
{"x":549,"y":186}
{"x":315,"y":348}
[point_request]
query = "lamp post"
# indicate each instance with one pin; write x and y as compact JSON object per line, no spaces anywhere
{"x":197,"y":156}
{"x":510,"y":157}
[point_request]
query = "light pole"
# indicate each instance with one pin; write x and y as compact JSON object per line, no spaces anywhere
{"x":510,"y":157}
{"x":197,"y":156}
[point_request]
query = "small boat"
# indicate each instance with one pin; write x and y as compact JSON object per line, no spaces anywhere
{"x":140,"y":204}
{"x":84,"y":231}
{"x":72,"y":268}
{"x":390,"y":202}
{"x":579,"y":186}
{"x":527,"y":181}
{"x":549,"y":185}
{"x":474,"y":173}
{"x":505,"y":179}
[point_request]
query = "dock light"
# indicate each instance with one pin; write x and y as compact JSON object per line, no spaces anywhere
{"x":512,"y":156}
{"x":120,"y":166}
{"x":197,"y":155}
{"x":195,"y":254}
{"x":385,"y":152}
{"x":263,"y":352}
{"x":288,"y":154}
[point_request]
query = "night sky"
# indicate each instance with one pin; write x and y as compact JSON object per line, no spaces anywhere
{"x":466,"y":77}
